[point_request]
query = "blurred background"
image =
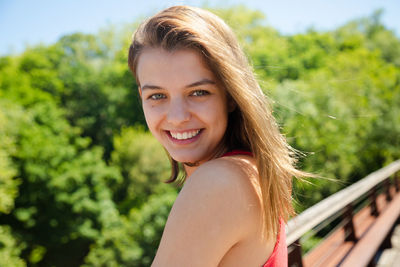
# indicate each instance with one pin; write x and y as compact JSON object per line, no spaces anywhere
{"x":81,"y":179}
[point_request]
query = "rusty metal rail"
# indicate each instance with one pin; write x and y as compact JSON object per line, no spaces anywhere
{"x":354,"y":209}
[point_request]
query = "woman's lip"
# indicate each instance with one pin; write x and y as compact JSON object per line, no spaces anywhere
{"x":184,"y":131}
{"x":184,"y":141}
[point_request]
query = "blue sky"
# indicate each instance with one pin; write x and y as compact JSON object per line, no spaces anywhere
{"x":25,"y":22}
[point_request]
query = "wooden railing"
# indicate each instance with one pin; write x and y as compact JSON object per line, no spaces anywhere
{"x":353,"y":213}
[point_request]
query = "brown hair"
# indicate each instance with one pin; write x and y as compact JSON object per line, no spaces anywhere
{"x":251,"y":125}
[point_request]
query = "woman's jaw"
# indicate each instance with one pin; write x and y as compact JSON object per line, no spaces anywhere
{"x":191,"y":151}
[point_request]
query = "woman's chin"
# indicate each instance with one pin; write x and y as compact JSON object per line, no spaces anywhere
{"x":185,"y":158}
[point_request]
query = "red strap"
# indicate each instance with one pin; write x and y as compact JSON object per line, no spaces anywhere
{"x":237,"y":152}
{"x":279,"y":257}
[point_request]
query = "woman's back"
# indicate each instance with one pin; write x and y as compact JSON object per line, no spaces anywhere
{"x":217,"y":217}
{"x":257,"y":245}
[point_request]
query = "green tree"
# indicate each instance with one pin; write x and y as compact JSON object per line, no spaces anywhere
{"x":10,"y":250}
{"x":8,"y":182}
{"x":144,"y":166}
{"x":10,"y":247}
{"x":143,"y":199}
{"x":63,"y":196}
{"x":134,"y":240}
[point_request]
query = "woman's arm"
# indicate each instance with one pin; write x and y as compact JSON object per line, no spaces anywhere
{"x":212,"y":213}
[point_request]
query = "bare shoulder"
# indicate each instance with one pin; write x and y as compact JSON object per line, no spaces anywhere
{"x":231,"y":182}
{"x":240,"y":165}
{"x":235,"y":176}
{"x":216,"y":208}
{"x":231,"y":179}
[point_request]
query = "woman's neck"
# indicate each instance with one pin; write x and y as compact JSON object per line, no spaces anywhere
{"x":191,"y":167}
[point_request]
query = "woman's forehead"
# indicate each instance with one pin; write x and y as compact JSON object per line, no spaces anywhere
{"x":156,"y":65}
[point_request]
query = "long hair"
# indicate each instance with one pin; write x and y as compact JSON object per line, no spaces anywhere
{"x":251,"y":125}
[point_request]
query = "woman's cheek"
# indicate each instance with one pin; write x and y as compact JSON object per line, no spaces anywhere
{"x":148,"y":115}
{"x":153,"y":115}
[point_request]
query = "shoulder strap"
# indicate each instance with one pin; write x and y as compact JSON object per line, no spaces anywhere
{"x":237,"y":152}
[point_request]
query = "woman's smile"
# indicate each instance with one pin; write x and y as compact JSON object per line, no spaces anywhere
{"x":185,"y":135}
{"x":185,"y":108}
{"x":181,"y":138}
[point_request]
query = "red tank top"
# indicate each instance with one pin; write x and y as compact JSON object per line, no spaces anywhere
{"x":279,"y":256}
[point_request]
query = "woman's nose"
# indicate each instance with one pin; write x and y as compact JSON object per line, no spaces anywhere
{"x":178,"y":112}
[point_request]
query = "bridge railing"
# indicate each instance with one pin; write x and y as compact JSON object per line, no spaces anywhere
{"x":354,"y":209}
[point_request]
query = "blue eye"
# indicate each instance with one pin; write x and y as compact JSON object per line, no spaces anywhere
{"x":157,"y":96}
{"x":200,"y":93}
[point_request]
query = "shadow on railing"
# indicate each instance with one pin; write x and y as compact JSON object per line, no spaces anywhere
{"x":362,"y":217}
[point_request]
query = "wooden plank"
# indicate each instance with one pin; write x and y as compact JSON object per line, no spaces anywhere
{"x":334,"y":258}
{"x":366,"y":248}
{"x":323,"y":252}
{"x":333,"y":249}
{"x":326,"y":208}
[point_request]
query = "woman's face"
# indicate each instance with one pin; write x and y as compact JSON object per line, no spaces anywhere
{"x":185,"y":108}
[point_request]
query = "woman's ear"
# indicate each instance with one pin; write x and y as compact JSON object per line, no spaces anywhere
{"x":140,"y":91}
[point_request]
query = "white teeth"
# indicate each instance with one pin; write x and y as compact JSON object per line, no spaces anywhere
{"x":185,"y":135}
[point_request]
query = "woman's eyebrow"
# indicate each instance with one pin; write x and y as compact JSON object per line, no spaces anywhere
{"x":201,"y":82}
{"x":149,"y":86}
{"x":198,"y":83}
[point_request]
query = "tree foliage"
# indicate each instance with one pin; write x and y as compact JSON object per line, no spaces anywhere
{"x":144,"y":165}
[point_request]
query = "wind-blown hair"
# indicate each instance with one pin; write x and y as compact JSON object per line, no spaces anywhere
{"x":251,"y":125}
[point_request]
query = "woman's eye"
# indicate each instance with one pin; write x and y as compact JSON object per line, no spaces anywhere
{"x":200,"y":93}
{"x":157,"y":96}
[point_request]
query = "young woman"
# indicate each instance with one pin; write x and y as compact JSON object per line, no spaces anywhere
{"x":203,"y":104}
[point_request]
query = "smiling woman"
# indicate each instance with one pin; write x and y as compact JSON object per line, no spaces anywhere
{"x":185,"y":109}
{"x":203,"y":104}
